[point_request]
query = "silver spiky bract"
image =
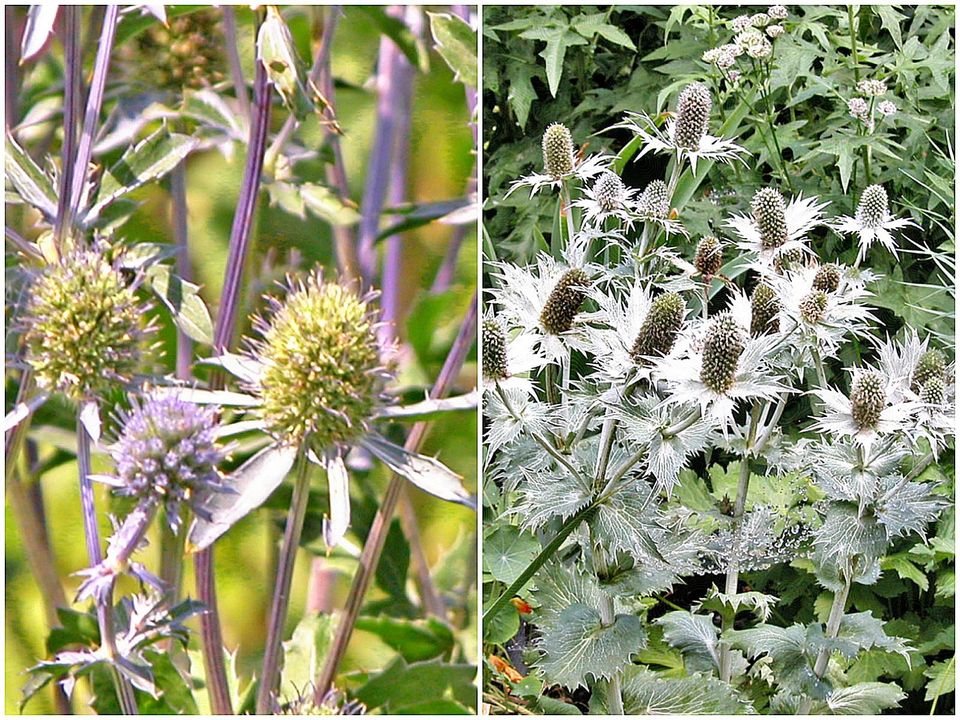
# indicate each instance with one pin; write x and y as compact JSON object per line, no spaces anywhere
{"x":558,"y":151}
{"x":722,"y":347}
{"x":693,"y":116}
{"x":564,"y":302}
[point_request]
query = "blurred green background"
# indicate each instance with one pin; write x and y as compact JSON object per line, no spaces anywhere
{"x":441,"y":162}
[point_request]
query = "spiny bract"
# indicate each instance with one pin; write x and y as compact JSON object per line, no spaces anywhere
{"x":321,"y":365}
{"x":868,"y":398}
{"x":83,"y":327}
{"x":709,"y":256}
{"x":693,"y":116}
{"x":722,"y":348}
{"x":659,"y":330}
{"x":873,"y":206}
{"x":769,"y":212}
{"x":764,"y":310}
{"x":557,"y":150}
{"x":564,"y":302}
{"x":494,"y":351}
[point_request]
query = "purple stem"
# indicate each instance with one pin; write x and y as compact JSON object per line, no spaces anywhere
{"x":72,"y":96}
{"x":13,"y":33}
{"x":92,"y":117}
{"x":389,"y":93}
{"x":373,"y":547}
{"x":178,"y":197}
{"x":233,"y":57}
{"x":223,"y":334}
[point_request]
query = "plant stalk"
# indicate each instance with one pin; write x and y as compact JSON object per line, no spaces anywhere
{"x":833,"y":628}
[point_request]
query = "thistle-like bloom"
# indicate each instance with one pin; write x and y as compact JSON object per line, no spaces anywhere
{"x":764,"y":310}
{"x":653,"y":206}
{"x":333,"y":703}
{"x":931,"y":366}
{"x":660,"y":328}
{"x":83,"y":327}
{"x":721,"y":364}
{"x":775,"y":230}
{"x":560,"y":162}
{"x":686,"y":134}
{"x":709,"y":257}
{"x":607,"y":197}
{"x":507,"y":362}
{"x":873,"y":222}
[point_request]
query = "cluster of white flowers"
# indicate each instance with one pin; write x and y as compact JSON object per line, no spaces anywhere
{"x":863,"y":109}
{"x":750,"y":39}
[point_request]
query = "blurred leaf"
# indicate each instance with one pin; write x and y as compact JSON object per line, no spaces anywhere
{"x":431,"y":409}
{"x":457,"y":44}
{"x":426,"y":473}
{"x":277,"y":53}
{"x":327,"y":205}
{"x":78,"y":628}
{"x":415,"y":216}
{"x":401,"y":685}
{"x":410,"y":45}
{"x":183,"y":300}
{"x":304,"y":654}
{"x":415,"y":640}
{"x":39,"y":28}
{"x":175,"y":694}
{"x":30,"y":182}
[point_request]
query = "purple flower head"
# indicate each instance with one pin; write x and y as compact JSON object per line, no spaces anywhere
{"x":168,"y":453}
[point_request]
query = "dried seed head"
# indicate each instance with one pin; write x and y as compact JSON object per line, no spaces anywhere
{"x":933,"y":392}
{"x":932,"y":364}
{"x":83,"y":330}
{"x":813,"y":306}
{"x":868,"y":398}
{"x":709,"y":258}
{"x":769,"y":212}
{"x":660,"y":328}
{"x":168,"y":453}
{"x":558,"y":150}
{"x":564,"y":302}
{"x":872,"y":209}
{"x":494,"y":349}
{"x":827,"y":278}
{"x":722,"y":348}
{"x":321,"y":365}
{"x":764,"y":310}
{"x":693,"y":116}
{"x":609,"y":191}
{"x":654,"y":202}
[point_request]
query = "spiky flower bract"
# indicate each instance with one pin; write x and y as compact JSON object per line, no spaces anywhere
{"x":827,"y":278}
{"x":83,"y":327}
{"x":558,"y":152}
{"x":867,"y":399}
{"x":776,"y":231}
{"x":873,"y":221}
{"x":769,"y":212}
{"x":321,"y":361}
{"x":494,"y":351}
{"x":168,"y":453}
{"x":722,"y":348}
{"x":764,"y":309}
{"x":932,"y":364}
{"x":564,"y":302}
{"x":659,"y":331}
{"x":709,"y":257}
{"x":693,"y":116}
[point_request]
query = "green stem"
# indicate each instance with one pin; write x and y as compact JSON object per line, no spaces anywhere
{"x":607,"y":619}
{"x":270,"y":676}
{"x":833,"y":628}
{"x":853,"y":44}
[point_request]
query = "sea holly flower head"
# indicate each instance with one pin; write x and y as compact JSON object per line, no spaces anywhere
{"x":564,"y":301}
{"x":561,"y":163}
{"x":873,"y":222}
{"x":660,"y":328}
{"x":776,"y":230}
{"x":709,"y":257}
{"x":827,"y":278}
{"x":931,"y":366}
{"x":686,"y":134}
{"x":608,"y":197}
{"x":653,"y":206}
{"x":558,"y":151}
{"x":507,"y":362}
{"x":83,"y":326}
{"x":764,"y":310}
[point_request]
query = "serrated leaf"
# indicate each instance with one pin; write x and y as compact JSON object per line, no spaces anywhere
{"x":866,"y":632}
{"x":579,"y":646}
{"x":865,"y":699}
{"x":30,"y":182}
{"x":415,"y":640}
{"x":694,"y":635}
{"x":522,"y":93}
{"x":647,"y":693}
{"x":183,"y":300}
{"x":150,"y":159}
{"x":729,"y":605}
{"x":943,"y":678}
{"x":457,"y":44}
{"x":401,"y":685}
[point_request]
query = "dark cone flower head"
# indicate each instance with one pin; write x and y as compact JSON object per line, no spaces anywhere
{"x":608,"y":191}
{"x":558,"y":150}
{"x":827,"y":278}
{"x":168,"y":453}
{"x":693,"y":116}
{"x":709,"y":258}
{"x":722,"y":348}
{"x":933,"y":392}
{"x":873,"y":206}
{"x":813,"y":306}
{"x":868,"y":398}
{"x":931,"y":364}
{"x":83,"y":327}
{"x":322,"y":370}
{"x":660,"y":328}
{"x":764,"y":310}
{"x":655,"y":200}
{"x":769,"y":212}
{"x":494,"y":349}
{"x":564,"y":302}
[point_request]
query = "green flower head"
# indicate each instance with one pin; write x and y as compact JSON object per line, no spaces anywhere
{"x":932,"y":364}
{"x":722,"y":347}
{"x":557,"y":150}
{"x":564,"y":302}
{"x":83,"y":326}
{"x":660,"y":328}
{"x":322,"y":370}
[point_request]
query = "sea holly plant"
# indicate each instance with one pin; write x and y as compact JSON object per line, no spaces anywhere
{"x":189,"y":420}
{"x":707,"y":451}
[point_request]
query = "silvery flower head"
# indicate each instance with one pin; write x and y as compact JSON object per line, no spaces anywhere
{"x":653,"y":206}
{"x":607,"y":198}
{"x":873,"y":222}
{"x":507,"y":362}
{"x":686,"y":134}
{"x":560,"y":162}
{"x":776,"y":230}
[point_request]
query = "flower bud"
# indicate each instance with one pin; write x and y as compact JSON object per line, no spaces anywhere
{"x":558,"y":151}
{"x":722,"y":347}
{"x":608,"y":191}
{"x":873,"y":206}
{"x":931,"y":364}
{"x":868,"y":398}
{"x":693,"y":116}
{"x":660,"y":328}
{"x":494,"y":351}
{"x":764,"y":310}
{"x":709,"y":258}
{"x":827,"y":278}
{"x":769,"y":212}
{"x":654,"y":202}
{"x":564,"y":302}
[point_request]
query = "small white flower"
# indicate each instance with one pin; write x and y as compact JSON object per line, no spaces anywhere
{"x":775,"y":31}
{"x":777,"y":12}
{"x":887,"y":108}
{"x":872,"y":88}
{"x":873,"y":222}
{"x":754,"y":44}
{"x":741,"y":22}
{"x":858,"y":108}
{"x":800,"y":216}
{"x":759,"y":20}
